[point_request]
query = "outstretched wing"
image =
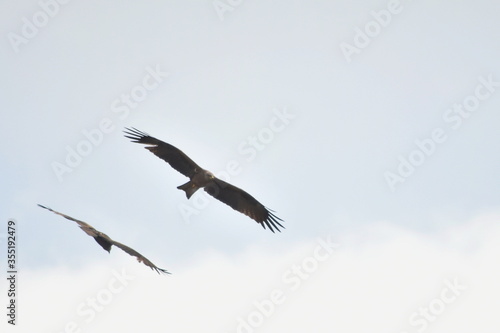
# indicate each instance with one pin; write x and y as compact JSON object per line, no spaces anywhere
{"x":100,"y":237}
{"x":106,"y":242}
{"x":243,"y":202}
{"x":140,"y":257}
{"x":170,"y":154}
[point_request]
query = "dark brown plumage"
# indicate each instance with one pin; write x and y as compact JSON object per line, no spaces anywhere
{"x":229,"y":194}
{"x":106,"y":242}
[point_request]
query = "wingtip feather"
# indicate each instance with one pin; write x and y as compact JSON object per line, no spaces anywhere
{"x":272,"y":219}
{"x":134,"y":134}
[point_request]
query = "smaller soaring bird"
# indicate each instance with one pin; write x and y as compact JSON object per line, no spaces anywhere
{"x":229,"y":194}
{"x":106,"y":242}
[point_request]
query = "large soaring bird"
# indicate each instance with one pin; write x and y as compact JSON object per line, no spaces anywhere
{"x":201,"y":178}
{"x":106,"y":242}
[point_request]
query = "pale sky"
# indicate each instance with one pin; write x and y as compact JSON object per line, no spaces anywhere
{"x":371,"y":129}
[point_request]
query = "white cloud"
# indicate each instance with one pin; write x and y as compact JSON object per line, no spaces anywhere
{"x":367,"y":284}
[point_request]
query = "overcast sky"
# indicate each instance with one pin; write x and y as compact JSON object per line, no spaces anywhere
{"x":371,"y":128}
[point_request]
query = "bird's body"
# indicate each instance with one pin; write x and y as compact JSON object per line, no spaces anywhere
{"x":198,"y":180}
{"x":229,"y":194}
{"x":106,"y":242}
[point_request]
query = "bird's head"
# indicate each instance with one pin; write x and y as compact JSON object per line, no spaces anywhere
{"x":209,"y":175}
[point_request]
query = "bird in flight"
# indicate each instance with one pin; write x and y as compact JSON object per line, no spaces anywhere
{"x":229,"y":194}
{"x":106,"y":242}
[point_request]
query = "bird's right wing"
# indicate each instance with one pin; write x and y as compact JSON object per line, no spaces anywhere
{"x":170,"y":154}
{"x":89,"y":230}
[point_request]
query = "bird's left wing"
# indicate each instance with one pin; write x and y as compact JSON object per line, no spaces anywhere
{"x":243,"y":202}
{"x":139,"y":257}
